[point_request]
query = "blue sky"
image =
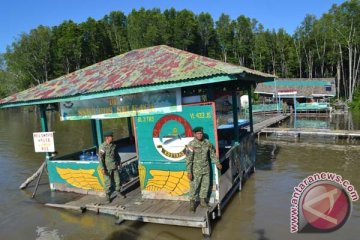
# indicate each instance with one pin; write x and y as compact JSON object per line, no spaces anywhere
{"x":21,"y":16}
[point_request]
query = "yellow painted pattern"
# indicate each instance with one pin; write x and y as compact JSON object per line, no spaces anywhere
{"x":173,"y":183}
{"x":142,"y":175}
{"x":80,"y":178}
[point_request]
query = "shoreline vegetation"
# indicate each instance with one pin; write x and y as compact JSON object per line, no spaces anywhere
{"x":319,"y":48}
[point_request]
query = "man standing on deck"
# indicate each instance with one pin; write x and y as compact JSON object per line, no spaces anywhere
{"x":198,"y":167}
{"x":284,"y":107}
{"x":110,"y":165}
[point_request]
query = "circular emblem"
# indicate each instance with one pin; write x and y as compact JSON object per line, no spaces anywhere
{"x":170,"y":135}
{"x":326,"y":206}
{"x":68,"y":104}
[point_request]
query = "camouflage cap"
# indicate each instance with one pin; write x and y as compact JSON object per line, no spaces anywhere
{"x":198,"y":129}
{"x":108,"y":133}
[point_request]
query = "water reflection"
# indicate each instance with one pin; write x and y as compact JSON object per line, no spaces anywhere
{"x":348,"y":121}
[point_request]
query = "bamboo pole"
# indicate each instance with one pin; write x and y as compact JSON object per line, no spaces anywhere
{"x":65,"y":206}
{"x":38,"y":180}
{"x":33,"y":177}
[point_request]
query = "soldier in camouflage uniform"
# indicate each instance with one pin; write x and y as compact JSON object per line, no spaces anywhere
{"x":198,"y":167}
{"x":110,"y":165}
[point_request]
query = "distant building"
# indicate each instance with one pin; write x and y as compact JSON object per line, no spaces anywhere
{"x":315,"y":88}
{"x":310,"y":94}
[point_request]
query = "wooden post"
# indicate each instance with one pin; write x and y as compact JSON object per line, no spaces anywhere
{"x":250,"y":110}
{"x":99,"y":131}
{"x":280,"y":110}
{"x":235,"y":116}
{"x":33,"y":177}
{"x":207,"y":230}
{"x":294,"y":111}
{"x":210,"y":93}
{"x":38,"y":180}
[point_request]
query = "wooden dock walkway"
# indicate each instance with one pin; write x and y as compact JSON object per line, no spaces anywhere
{"x":134,"y":207}
{"x":297,"y":132}
{"x":268,"y":122}
{"x":306,"y":144}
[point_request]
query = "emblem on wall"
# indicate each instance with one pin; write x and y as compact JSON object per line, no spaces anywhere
{"x":171,"y":134}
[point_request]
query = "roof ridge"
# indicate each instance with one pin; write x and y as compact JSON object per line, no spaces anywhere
{"x":244,"y":69}
{"x":170,"y":49}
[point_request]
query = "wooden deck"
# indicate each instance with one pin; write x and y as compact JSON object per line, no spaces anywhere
{"x":297,"y":144}
{"x":297,"y":132}
{"x":133,"y":207}
{"x":268,"y":122}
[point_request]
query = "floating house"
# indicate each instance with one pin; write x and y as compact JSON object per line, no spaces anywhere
{"x":306,"y":95}
{"x":163,"y":92}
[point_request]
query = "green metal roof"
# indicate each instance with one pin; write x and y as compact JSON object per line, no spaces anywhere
{"x":147,"y":69}
{"x":303,"y":86}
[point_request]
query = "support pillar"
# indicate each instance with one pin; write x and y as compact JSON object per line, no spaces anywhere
{"x":235,"y":116}
{"x":279,"y":107}
{"x":99,"y":131}
{"x":43,"y":123}
{"x":94,"y":133}
{"x":295,"y":111}
{"x":210,"y":93}
{"x":130,"y":130}
{"x":250,"y":110}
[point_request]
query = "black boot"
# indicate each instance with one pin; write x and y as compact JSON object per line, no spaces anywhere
{"x":192,"y":206}
{"x":203,"y":203}
{"x":108,"y":198}
{"x":120,"y":194}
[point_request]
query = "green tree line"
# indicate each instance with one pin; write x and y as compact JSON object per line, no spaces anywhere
{"x":324,"y":47}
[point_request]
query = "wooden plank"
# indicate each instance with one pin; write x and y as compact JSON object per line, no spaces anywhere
{"x":310,"y":131}
{"x":182,"y":212}
{"x":311,"y":144}
{"x":269,"y":122}
{"x":186,"y":216}
{"x":155,"y":206}
{"x":33,"y":177}
{"x":158,"y":207}
{"x":170,"y":209}
{"x":225,"y":183}
{"x":207,"y":229}
{"x":66,"y":206}
{"x":177,"y":222}
{"x":141,"y":208}
{"x":146,"y":210}
{"x":115,"y":208}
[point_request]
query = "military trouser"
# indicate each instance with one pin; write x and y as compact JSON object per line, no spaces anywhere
{"x":113,"y":178}
{"x":199,"y":186}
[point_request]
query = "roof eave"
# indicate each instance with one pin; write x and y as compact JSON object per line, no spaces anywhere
{"x":244,"y":76}
{"x":123,"y":91}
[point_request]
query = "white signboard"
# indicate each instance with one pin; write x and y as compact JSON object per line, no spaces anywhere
{"x":128,"y":105}
{"x":44,"y":141}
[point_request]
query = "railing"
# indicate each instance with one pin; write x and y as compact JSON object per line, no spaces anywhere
{"x":299,"y":107}
{"x":266,"y":107}
{"x":312,"y":106}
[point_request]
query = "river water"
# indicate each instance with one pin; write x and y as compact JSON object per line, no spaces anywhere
{"x":261,"y":211}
